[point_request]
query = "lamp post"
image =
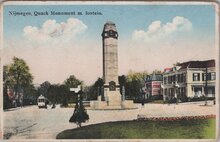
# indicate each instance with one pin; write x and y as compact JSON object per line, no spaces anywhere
{"x":206,"y":84}
{"x":176,"y":86}
{"x":78,"y":91}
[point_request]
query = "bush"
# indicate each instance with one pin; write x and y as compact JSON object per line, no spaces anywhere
{"x":157,"y":97}
{"x":184,"y":98}
{"x":202,"y":98}
{"x":79,"y":115}
{"x":64,"y":103}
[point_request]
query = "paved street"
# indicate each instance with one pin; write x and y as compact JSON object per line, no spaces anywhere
{"x":33,"y":123}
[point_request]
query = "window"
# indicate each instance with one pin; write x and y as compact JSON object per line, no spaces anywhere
{"x":212,"y":76}
{"x":196,"y":76}
{"x":203,"y":76}
{"x":174,"y":79}
{"x":169,"y":79}
{"x":181,"y":78}
{"x":178,"y":78}
{"x":184,"y":77}
{"x":165,"y":80}
{"x":165,"y":92}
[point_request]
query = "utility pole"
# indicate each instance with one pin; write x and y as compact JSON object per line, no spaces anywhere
{"x":206,"y":84}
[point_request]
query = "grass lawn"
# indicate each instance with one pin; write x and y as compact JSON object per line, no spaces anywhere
{"x":145,"y":129}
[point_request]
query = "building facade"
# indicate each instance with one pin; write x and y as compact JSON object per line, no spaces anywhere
{"x":153,"y":85}
{"x":189,"y":80}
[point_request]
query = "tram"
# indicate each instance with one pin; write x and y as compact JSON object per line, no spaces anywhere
{"x":42,"y":102}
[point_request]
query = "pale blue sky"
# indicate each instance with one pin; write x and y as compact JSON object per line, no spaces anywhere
{"x":127,"y":18}
{"x":150,"y":37}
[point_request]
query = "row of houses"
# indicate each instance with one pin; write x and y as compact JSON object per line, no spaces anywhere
{"x":190,"y":79}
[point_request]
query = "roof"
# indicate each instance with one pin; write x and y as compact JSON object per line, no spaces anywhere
{"x":197,"y":64}
{"x":41,"y":97}
{"x":110,"y":23}
{"x":168,"y":69}
{"x":154,"y":77}
{"x":109,"y":26}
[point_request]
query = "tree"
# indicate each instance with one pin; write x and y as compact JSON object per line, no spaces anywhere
{"x":134,"y":82}
{"x":157,"y":71}
{"x":59,"y":94}
{"x":53,"y":93}
{"x":79,"y":115}
{"x":44,"y":88}
{"x":94,"y":90}
{"x":66,"y":95}
{"x":72,"y":82}
{"x":98,"y":85}
{"x":17,"y":76}
{"x":122,"y":82}
{"x":7,"y":84}
{"x":30,"y":95}
{"x":137,"y":76}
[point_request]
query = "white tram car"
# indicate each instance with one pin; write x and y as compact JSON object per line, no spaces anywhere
{"x":42,"y":101}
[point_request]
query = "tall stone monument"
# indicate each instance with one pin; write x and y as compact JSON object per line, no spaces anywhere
{"x":112,"y":96}
{"x":110,"y":65}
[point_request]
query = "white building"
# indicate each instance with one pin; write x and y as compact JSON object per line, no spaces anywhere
{"x":188,"y":80}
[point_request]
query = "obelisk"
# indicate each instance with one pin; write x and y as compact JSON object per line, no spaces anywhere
{"x":110,"y":65}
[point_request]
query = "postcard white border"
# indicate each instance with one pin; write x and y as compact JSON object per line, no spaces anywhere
{"x":215,"y":4}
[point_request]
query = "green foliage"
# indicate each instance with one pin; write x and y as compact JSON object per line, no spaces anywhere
{"x":157,"y":71}
{"x":137,"y":76}
{"x":17,"y":76}
{"x":122,"y":82}
{"x":6,"y":101}
{"x":94,"y":90}
{"x":72,"y":82}
{"x":55,"y":93}
{"x":184,"y":129}
{"x":132,"y":88}
{"x":65,"y":95}
{"x":79,"y":115}
{"x":133,"y":82}
{"x":44,"y":88}
{"x":20,"y":73}
{"x":60,"y":93}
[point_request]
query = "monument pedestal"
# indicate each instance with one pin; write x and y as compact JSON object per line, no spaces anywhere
{"x":112,"y":101}
{"x":112,"y":96}
{"x":103,"y":105}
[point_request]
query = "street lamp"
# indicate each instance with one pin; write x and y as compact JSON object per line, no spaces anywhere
{"x":206,"y":84}
{"x":77,"y":91}
{"x":176,"y":86}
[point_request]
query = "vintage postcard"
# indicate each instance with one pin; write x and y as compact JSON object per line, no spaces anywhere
{"x":109,"y":71}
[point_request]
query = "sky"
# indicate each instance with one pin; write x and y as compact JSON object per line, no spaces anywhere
{"x":150,"y":37}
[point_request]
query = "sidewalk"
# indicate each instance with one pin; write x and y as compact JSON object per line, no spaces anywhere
{"x":177,"y":110}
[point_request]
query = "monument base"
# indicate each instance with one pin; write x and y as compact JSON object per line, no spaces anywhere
{"x":112,"y":98}
{"x":103,"y":105}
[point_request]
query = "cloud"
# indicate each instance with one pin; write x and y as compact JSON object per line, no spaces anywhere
{"x":157,"y":30}
{"x":50,"y":30}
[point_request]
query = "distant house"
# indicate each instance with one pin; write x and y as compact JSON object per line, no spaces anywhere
{"x":189,"y":80}
{"x":153,"y":85}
